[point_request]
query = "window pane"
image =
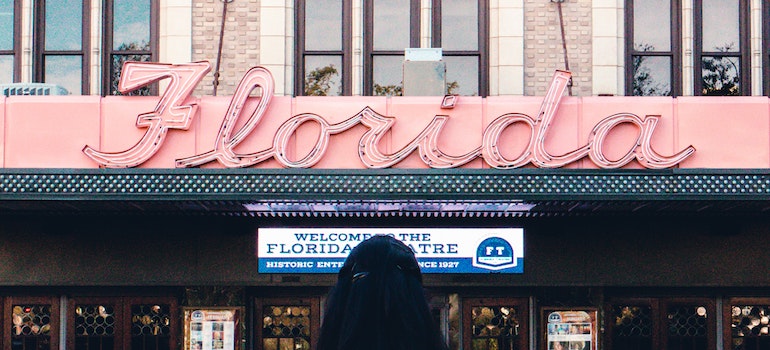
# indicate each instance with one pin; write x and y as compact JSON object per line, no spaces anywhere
{"x":95,"y":327}
{"x":6,"y":69}
{"x":323,"y":25}
{"x":6,"y":25}
{"x":750,"y":326}
{"x":721,"y":76}
{"x":65,"y":71}
{"x":391,"y":24}
{"x":652,"y":76}
{"x":286,"y":327}
{"x":462,"y":75}
{"x":31,"y":327}
{"x":721,"y":26}
{"x":323,"y":75}
{"x":388,"y":72}
{"x":459,"y":25}
{"x":151,"y":326}
{"x":687,"y":327}
{"x":117,"y":68}
{"x":62,"y":14}
{"x":494,"y":327}
{"x":632,"y":328}
{"x":652,"y":25}
{"x":131,"y":25}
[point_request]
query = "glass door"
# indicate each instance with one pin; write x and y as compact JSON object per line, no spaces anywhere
{"x":32,"y":323}
{"x":115,"y":323}
{"x":661,"y":323}
{"x":495,"y":323}
{"x":287,"y":323}
{"x":749,"y":324}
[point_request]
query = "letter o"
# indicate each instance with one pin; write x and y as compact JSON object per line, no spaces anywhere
{"x":289,"y":128}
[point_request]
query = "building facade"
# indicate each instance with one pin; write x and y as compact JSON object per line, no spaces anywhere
{"x":627,"y":141}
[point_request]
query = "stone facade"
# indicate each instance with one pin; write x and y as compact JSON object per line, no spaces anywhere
{"x":240,"y":49}
{"x":543,"y":52}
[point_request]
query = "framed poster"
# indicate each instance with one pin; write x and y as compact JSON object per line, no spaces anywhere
{"x":570,"y":329}
{"x":212,"y":328}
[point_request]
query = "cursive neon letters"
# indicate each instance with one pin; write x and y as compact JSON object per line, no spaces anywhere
{"x":172,"y":112}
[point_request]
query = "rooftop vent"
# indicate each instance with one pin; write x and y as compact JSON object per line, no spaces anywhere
{"x":32,"y":89}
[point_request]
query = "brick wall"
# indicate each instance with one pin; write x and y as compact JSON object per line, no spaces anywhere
{"x":240,"y":49}
{"x":543,"y":51}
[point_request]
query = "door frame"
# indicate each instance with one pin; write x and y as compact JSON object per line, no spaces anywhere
{"x":659,"y":307}
{"x":522,"y":310}
{"x":315,"y":316}
{"x":7,"y":319}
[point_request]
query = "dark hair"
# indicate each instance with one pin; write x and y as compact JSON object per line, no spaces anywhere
{"x":379,"y":302}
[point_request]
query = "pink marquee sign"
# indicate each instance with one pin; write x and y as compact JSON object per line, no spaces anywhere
{"x":176,"y":110}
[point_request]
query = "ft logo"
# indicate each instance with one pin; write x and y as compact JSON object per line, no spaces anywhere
{"x":494,"y":253}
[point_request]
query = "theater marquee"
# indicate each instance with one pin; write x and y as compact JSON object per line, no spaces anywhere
{"x":438,"y":250}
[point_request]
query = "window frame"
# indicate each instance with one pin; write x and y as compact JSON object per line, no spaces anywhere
{"x":40,"y":53}
{"x":108,"y":41}
{"x":726,"y":311}
{"x":16,"y":47}
{"x":482,"y":51}
{"x":743,"y":54}
{"x":300,"y":52}
{"x":523,"y":316}
{"x":674,"y":53}
{"x":122,"y":314}
{"x":370,"y":52}
{"x":766,"y":50}
{"x":7,"y":319}
{"x":257,"y":321}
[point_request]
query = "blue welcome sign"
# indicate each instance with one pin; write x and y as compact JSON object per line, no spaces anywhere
{"x":438,"y":250}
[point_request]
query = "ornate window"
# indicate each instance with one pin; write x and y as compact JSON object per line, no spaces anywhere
{"x":122,"y":323}
{"x":495,"y":324}
{"x":647,"y":324}
{"x":287,"y":323}
{"x":33,"y":323}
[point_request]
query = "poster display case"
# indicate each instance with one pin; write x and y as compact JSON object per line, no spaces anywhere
{"x":570,"y":328}
{"x":212,"y":328}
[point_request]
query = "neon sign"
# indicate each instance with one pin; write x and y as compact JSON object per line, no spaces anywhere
{"x":174,"y":111}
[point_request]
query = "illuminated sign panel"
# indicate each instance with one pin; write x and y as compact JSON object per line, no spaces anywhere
{"x":176,"y":109}
{"x":438,"y":250}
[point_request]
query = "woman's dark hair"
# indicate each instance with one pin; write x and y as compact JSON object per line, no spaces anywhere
{"x":379,"y":302}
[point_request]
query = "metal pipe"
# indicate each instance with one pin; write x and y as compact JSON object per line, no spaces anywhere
{"x":564,"y":43}
{"x":221,"y":41}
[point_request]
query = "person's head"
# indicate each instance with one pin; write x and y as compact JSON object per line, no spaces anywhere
{"x":378,"y":302}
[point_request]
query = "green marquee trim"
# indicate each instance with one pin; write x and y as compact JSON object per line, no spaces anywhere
{"x":388,"y":184}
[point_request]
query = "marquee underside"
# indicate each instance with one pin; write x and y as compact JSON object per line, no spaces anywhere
{"x":390,"y":192}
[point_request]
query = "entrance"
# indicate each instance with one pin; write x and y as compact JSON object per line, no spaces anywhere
{"x":101,"y":323}
{"x":495,"y":323}
{"x":661,"y":323}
